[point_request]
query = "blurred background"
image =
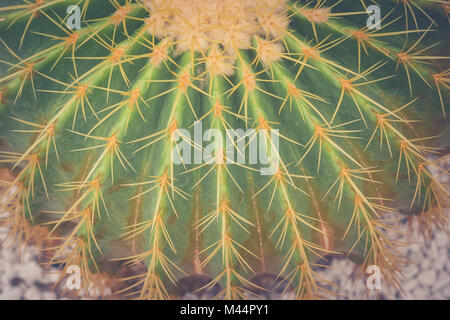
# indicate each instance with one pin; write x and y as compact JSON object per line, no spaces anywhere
{"x":426,"y":274}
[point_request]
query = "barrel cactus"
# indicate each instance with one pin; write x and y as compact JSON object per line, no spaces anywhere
{"x":153,"y":140}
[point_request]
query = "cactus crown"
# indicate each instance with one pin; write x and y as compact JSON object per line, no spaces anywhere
{"x":219,"y":137}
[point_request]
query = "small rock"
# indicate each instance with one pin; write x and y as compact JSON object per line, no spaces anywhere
{"x":9,"y":255}
{"x":51,"y":276}
{"x":11,"y":293}
{"x":426,"y":263}
{"x":30,"y":272}
{"x":442,"y":282}
{"x":441,"y":240}
{"x":416,"y":256}
{"x":427,"y":277}
{"x":29,"y":255}
{"x":410,"y":271}
{"x":410,"y":284}
{"x":420,"y":294}
{"x":447,"y":266}
{"x":48,"y":295}
{"x":446,"y":292}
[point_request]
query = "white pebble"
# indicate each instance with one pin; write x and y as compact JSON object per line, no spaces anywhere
{"x":410,"y":284}
{"x":11,"y":293}
{"x":446,"y":292}
{"x":420,"y":294}
{"x":32,"y":294}
{"x":410,"y":270}
{"x":48,"y":295}
{"x":442,"y":282}
{"x":30,"y":272}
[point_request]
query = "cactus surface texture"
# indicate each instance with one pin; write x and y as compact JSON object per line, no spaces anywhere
{"x":151,"y":141}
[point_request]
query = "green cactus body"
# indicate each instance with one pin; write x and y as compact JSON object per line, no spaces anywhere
{"x":94,"y":123}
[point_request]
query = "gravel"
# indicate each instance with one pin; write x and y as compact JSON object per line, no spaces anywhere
{"x":21,"y":276}
{"x":425,"y":276}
